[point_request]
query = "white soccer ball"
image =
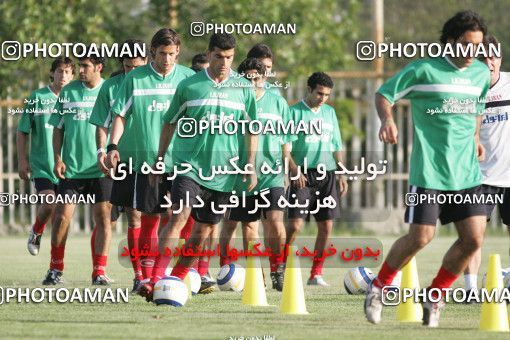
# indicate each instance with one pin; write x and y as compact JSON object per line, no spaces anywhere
{"x":505,"y":274}
{"x":195,"y":281}
{"x":357,"y":280}
{"x":170,"y":291}
{"x":231,"y":277}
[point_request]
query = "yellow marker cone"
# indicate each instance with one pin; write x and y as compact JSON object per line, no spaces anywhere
{"x":494,"y":316}
{"x":293,"y":294}
{"x":409,"y":311}
{"x":187,"y":280}
{"x":254,"y":292}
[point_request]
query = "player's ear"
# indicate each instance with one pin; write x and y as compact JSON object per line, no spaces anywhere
{"x":177,"y":49}
{"x":153,"y":52}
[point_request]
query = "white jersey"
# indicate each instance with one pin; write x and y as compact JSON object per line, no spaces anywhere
{"x":495,"y":134}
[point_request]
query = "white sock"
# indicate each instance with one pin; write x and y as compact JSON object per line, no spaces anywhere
{"x":471,"y":281}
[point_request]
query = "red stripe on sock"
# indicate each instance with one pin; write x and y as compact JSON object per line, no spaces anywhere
{"x":148,"y":241}
{"x":57,"y":257}
{"x":203,"y":267}
{"x":317,"y":265}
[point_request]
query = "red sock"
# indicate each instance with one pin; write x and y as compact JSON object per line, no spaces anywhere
{"x":186,"y":230}
{"x":443,"y":279}
{"x":180,"y":271}
{"x":57,"y":257}
{"x":274,"y":261}
{"x":38,"y":226}
{"x":99,"y":265}
{"x":92,"y":243}
{"x":160,"y":265}
{"x":203,"y":267}
{"x":164,"y":220}
{"x":148,"y":241}
{"x":133,"y":237}
{"x":317,"y":265}
{"x":385,"y":276}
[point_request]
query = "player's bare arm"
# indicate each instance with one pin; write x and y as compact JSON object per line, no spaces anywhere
{"x":388,"y":133}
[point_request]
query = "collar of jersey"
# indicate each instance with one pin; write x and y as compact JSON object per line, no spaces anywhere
{"x":309,"y":108}
{"x":263,"y":94}
{"x":159,"y":74}
{"x":224,"y":80}
{"x":453,"y":65}
{"x":95,"y":87}
{"x":53,"y":93}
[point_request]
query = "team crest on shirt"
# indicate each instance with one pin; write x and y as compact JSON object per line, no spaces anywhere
{"x":158,"y":106}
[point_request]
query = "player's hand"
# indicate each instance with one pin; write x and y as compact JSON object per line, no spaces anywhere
{"x":388,"y":133}
{"x":60,"y":170}
{"x":252,"y":178}
{"x":480,"y":152}
{"x":112,"y":159}
{"x":344,"y":186}
{"x":101,"y":163}
{"x":24,"y":170}
{"x":300,"y":182}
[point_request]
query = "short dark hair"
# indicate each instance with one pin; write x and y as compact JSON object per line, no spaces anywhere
{"x":252,"y":64}
{"x":165,"y":37}
{"x":319,"y":78}
{"x":460,"y":23}
{"x":200,"y":58}
{"x":132,"y":43}
{"x":223,"y":41}
{"x":59,"y":62}
{"x":488,"y":40}
{"x":93,"y":57}
{"x":260,"y":51}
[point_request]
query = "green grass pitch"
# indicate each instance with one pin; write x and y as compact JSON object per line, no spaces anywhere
{"x":220,"y":315}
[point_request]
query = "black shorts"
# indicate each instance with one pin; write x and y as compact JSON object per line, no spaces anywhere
{"x":315,"y":190}
{"x":425,"y":206}
{"x":247,"y":212}
{"x":42,"y":184}
{"x":100,"y":188}
{"x":115,"y":214}
{"x":148,"y":197}
{"x":123,"y":191}
{"x":504,"y":207}
{"x":183,"y":186}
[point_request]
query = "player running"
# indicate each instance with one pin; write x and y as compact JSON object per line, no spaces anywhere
{"x":76,"y":168}
{"x":218,"y":95}
{"x":443,"y":159}
{"x":323,"y":151}
{"x":270,"y":107}
{"x":101,"y":117}
{"x":494,"y":132}
{"x":39,"y":165}
{"x":142,"y":99}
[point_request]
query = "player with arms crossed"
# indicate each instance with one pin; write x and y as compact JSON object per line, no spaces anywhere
{"x":39,"y":165}
{"x":101,"y":117}
{"x":214,"y":94}
{"x":271,"y":149}
{"x":443,"y":159}
{"x":316,"y":151}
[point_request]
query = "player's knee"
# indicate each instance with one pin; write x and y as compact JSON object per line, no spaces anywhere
{"x":472,"y":243}
{"x":420,"y":241}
